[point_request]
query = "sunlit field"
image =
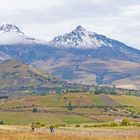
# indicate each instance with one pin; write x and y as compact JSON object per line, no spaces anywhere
{"x":123,"y":133}
{"x":75,"y":117}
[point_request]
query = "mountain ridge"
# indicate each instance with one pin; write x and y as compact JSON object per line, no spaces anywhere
{"x":6,"y":27}
{"x":80,"y":36}
{"x":11,"y":34}
{"x":89,"y":64}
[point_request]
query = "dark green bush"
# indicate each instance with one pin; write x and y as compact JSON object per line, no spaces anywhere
{"x":125,"y":122}
{"x":1,"y":122}
{"x":77,"y":125}
{"x":113,"y":124}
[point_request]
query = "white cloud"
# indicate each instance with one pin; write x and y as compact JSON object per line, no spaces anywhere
{"x":46,"y":18}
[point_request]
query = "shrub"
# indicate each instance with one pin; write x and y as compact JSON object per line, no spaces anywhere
{"x":125,"y":122}
{"x":37,"y":124}
{"x":137,"y":124}
{"x":1,"y":122}
{"x":85,"y":126}
{"x":63,"y":125}
{"x":77,"y":125}
{"x":60,"y":125}
{"x":56,"y":125}
{"x":136,"y":116}
{"x":102,"y":125}
{"x":113,"y":124}
{"x":42,"y":125}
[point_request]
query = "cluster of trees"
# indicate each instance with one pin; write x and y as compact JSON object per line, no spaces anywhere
{"x":105,"y":90}
{"x":114,"y":90}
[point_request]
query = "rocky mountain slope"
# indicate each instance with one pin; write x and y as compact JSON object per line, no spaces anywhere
{"x":81,"y":56}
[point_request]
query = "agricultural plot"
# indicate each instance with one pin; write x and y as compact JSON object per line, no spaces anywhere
{"x":72,"y":108}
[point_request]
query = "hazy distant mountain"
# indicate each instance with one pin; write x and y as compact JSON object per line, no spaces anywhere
{"x":95,"y":45}
{"x":16,"y":44}
{"x":11,"y":34}
{"x":80,"y":56}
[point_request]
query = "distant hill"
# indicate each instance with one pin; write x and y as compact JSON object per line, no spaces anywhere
{"x":124,"y":74}
{"x":19,"y":78}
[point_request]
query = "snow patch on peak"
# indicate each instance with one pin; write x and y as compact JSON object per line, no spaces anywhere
{"x":10,"y":28}
{"x":78,"y":38}
{"x":9,"y":38}
{"x":11,"y":34}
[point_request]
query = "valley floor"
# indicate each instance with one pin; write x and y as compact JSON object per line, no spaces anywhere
{"x":24,"y":133}
{"x":76,"y":116}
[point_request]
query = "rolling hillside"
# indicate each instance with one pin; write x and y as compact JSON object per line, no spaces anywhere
{"x":55,"y":109}
{"x":17,"y":77}
{"x":123,"y":74}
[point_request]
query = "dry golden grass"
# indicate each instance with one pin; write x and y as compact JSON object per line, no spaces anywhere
{"x":13,"y":135}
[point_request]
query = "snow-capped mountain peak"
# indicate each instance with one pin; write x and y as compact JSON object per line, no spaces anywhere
{"x":79,"y":38}
{"x":10,"y":28}
{"x":80,"y":29}
{"x":11,"y":34}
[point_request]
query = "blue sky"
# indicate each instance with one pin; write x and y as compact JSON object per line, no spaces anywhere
{"x":45,"y":19}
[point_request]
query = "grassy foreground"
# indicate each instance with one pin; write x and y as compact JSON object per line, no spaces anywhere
{"x":81,"y":134}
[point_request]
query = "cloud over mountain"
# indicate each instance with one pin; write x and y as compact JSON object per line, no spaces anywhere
{"x":110,"y":17}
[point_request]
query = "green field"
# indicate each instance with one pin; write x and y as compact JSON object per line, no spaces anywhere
{"x":54,"y":109}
